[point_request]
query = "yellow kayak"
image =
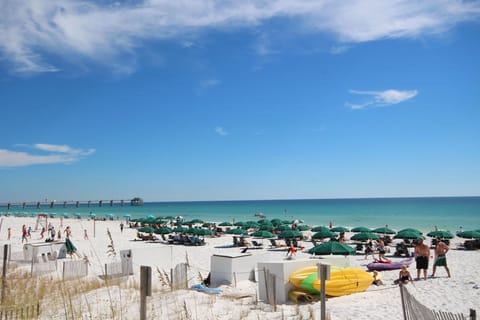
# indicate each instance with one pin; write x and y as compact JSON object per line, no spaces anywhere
{"x":343,"y":281}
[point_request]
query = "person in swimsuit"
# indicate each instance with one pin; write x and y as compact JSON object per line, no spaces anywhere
{"x":404,"y":276}
{"x":422,"y":252}
{"x":441,"y":250}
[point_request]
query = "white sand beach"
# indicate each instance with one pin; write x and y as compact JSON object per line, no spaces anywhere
{"x":456,"y":294}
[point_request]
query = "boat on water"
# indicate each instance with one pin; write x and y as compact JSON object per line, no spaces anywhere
{"x":260,"y":215}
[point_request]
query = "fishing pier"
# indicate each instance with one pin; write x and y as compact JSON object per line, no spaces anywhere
{"x":66,"y":203}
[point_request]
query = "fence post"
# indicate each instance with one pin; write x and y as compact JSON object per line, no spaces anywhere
{"x":4,"y":271}
{"x":235,"y":279}
{"x":274,"y":292}
{"x":266,"y":275}
{"x":171,"y":279}
{"x":145,"y":289}
{"x":323,"y":274}
{"x":473,"y":314}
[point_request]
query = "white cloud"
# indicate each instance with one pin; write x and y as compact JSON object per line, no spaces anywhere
{"x":34,"y":34}
{"x":382,"y":98}
{"x":45,"y":154}
{"x":221,"y":131}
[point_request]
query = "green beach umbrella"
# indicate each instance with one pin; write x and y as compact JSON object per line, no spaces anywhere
{"x":146,"y":229}
{"x":251,"y":224}
{"x":287,"y":221}
{"x":66,"y":215}
{"x":319,"y":228}
{"x":163,"y":230}
{"x":225,"y":224}
{"x":440,"y":234}
{"x":264,"y":221}
{"x":361,"y":229}
{"x":469,"y":234}
{"x":364,"y":236}
{"x":262,"y":234}
{"x":283,"y":227}
{"x":78,"y":215}
{"x":196,"y":221}
{"x":407,"y":234}
{"x":290,"y":234}
{"x":340,"y":229}
{"x":303,"y":227}
{"x":411,"y":229}
{"x":169,"y":217}
{"x":240,"y":224}
{"x":266,"y":227}
{"x":332,"y":247}
{"x":384,"y":230}
{"x":276,"y":222}
{"x":208,"y":224}
{"x":127,"y":215}
{"x":180,"y":229}
{"x":324,"y":234}
{"x":203,"y":232}
{"x":237,"y":231}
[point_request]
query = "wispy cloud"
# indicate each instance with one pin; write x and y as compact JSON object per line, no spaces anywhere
{"x":205,"y":85}
{"x":41,"y":154}
{"x":381,"y":98}
{"x":35,"y":35}
{"x":221,"y":131}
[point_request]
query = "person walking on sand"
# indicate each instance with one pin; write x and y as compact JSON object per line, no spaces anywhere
{"x":422,"y":252}
{"x":441,"y":250}
{"x":9,"y":233}
{"x":85,"y":234}
{"x":121,"y":227}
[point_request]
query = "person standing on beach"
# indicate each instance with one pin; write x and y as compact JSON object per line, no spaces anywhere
{"x":121,"y":227}
{"x":422,"y":252}
{"x":441,"y":250}
{"x":9,"y":233}
{"x":24,"y":233}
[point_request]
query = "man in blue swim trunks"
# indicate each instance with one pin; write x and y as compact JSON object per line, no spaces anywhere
{"x":422,"y":252}
{"x":441,"y":250}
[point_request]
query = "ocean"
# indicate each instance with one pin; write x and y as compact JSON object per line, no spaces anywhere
{"x":446,"y":213}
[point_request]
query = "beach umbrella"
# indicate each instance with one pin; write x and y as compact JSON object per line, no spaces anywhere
{"x":180,"y":229}
{"x":66,"y":215}
{"x":151,"y":217}
{"x":78,"y":215}
{"x":262,"y":234}
{"x":361,"y":229}
{"x":237,"y":231}
{"x":440,"y":234}
{"x":52,"y":214}
{"x":287,"y":221}
{"x":319,"y":228}
{"x":384,"y":230}
{"x":266,"y":227}
{"x":127,"y":215}
{"x":290,"y":234}
{"x":411,"y":229}
{"x":407,"y":234}
{"x":340,"y":229}
{"x":303,"y":227}
{"x":146,"y":229}
{"x":163,"y":230}
{"x":251,"y":224}
{"x":169,"y":217}
{"x":276,"y":222}
{"x":92,"y":215}
{"x":469,"y":234}
{"x":364,"y":236}
{"x":332,"y":247}
{"x":240,"y":224}
{"x":324,"y":234}
{"x":283,"y":227}
{"x":203,"y":232}
{"x":110,"y":216}
{"x":264,"y":221}
{"x":225,"y":224}
{"x":208,"y":224}
{"x":196,"y":221}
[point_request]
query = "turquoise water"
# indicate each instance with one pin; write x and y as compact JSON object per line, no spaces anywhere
{"x":424,"y":213}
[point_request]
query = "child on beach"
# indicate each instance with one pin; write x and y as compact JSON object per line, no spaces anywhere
{"x":404,"y":276}
{"x":24,"y":233}
{"x":377,"y":279}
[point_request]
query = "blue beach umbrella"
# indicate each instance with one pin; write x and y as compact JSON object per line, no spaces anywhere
{"x":78,"y":215}
{"x":92,"y":215}
{"x":52,"y":214}
{"x":66,"y":215}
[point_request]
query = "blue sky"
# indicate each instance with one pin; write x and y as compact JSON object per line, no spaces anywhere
{"x":217,"y":100}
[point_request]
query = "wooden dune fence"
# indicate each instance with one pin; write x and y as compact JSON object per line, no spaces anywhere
{"x":414,"y":310}
{"x":20,"y":312}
